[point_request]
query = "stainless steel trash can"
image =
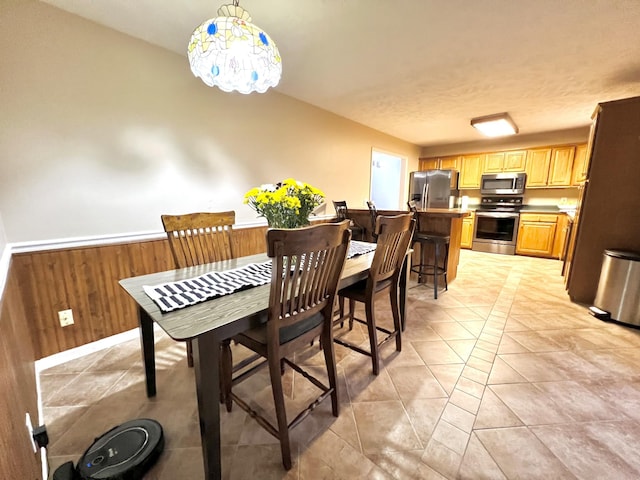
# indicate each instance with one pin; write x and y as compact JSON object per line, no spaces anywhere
{"x":618,"y":294}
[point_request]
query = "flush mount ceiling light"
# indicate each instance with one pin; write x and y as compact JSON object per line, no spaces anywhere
{"x":497,"y":125}
{"x":232,"y":53}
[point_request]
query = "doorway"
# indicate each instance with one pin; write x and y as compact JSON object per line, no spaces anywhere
{"x":387,"y":180}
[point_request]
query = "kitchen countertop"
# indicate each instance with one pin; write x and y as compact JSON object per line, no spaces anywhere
{"x":446,"y":212}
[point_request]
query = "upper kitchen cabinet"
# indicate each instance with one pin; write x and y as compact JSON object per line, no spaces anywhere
{"x":561,"y":166}
{"x":428,"y":164}
{"x":499,"y":162}
{"x":440,"y":163}
{"x":537,"y":167}
{"x":471,"y":170}
{"x":550,"y":166}
{"x":580,"y":166}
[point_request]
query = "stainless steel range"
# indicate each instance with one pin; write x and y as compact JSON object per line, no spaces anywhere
{"x":496,"y":226}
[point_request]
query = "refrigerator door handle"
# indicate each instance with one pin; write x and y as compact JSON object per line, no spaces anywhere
{"x":425,"y":193}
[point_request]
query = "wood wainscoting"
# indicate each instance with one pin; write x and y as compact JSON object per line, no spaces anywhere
{"x":85,"y":279}
{"x":17,"y":385}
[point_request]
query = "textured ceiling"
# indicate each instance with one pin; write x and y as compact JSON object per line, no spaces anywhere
{"x":421,"y":69}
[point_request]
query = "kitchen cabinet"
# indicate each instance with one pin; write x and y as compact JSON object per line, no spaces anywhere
{"x":467,"y":230}
{"x":440,"y":163}
{"x":550,"y":166}
{"x":580,"y":165}
{"x":498,"y":162}
{"x":607,"y":214}
{"x":560,"y":240}
{"x":536,"y":234}
{"x":471,"y":170}
{"x":561,"y":166}
{"x":537,"y":167}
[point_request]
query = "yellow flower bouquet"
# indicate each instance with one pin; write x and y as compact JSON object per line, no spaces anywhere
{"x":287,"y":204}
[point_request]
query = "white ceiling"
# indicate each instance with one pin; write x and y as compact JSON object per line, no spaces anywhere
{"x":421,"y":69}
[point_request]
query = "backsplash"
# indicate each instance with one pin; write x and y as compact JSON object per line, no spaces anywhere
{"x":537,"y":196}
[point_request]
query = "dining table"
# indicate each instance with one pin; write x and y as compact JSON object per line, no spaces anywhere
{"x":210,"y":322}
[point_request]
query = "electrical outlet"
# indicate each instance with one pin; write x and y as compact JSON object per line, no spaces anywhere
{"x":30,"y":431}
{"x":65,"y":317}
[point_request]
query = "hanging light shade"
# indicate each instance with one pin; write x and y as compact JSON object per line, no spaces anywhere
{"x":232,"y":53}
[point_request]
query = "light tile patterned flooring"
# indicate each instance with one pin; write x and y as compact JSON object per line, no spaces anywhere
{"x":502,"y":377}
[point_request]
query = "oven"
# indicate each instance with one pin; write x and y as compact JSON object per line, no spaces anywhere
{"x":496,"y":225}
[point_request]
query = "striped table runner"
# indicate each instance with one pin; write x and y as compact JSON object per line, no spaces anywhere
{"x":175,"y":295}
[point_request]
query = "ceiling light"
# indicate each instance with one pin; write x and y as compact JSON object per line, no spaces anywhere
{"x":497,"y":125}
{"x":233,"y":54}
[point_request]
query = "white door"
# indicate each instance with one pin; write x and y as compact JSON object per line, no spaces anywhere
{"x":386,"y":180}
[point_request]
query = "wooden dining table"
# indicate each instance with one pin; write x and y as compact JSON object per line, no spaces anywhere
{"x":208,"y":323}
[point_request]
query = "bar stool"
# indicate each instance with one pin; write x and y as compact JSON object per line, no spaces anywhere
{"x":436,"y":242}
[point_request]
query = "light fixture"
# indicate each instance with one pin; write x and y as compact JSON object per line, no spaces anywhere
{"x":497,"y":125}
{"x":232,"y":53}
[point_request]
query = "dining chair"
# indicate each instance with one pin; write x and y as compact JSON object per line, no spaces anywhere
{"x":373,"y":214}
{"x":394,"y":235}
{"x":342,"y":213}
{"x":197,"y":238}
{"x":306,"y":269}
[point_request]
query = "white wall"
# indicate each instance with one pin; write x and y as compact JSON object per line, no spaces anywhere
{"x":101,"y":133}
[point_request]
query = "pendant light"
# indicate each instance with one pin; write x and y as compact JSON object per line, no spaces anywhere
{"x":232,"y":53}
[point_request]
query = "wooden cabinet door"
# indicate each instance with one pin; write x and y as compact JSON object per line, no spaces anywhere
{"x":470,"y":171}
{"x":537,"y":167}
{"x":467,"y":232}
{"x":560,"y":239}
{"x":494,"y":162}
{"x":561,"y":166}
{"x":536,"y":238}
{"x":515,"y":161}
{"x":580,"y":164}
{"x":428,"y":164}
{"x":450,"y":163}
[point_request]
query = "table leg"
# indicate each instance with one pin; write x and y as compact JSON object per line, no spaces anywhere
{"x":404,"y":278}
{"x":148,"y":351}
{"x":206,"y":348}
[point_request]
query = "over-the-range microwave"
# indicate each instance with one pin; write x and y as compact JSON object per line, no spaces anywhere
{"x":503,"y":183}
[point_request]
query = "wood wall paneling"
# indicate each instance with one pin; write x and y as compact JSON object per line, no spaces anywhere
{"x":85,"y":279}
{"x":18,"y":387}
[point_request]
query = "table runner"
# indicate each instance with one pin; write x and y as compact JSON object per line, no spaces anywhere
{"x":175,"y":295}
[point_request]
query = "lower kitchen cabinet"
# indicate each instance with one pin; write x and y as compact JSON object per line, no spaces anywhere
{"x":537,"y":234}
{"x":467,"y":230}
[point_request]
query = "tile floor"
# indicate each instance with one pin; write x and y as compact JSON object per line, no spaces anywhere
{"x":500,"y":378}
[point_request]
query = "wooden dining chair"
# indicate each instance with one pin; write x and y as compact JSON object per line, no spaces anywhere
{"x":307,"y":265}
{"x":342,"y":213}
{"x":373,"y":214}
{"x":394,"y":236}
{"x":197,"y":238}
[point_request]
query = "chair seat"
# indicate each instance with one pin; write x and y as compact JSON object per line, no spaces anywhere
{"x":259,"y":334}
{"x":358,"y":291}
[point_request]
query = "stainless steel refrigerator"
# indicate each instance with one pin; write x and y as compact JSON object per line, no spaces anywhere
{"x":434,"y":188}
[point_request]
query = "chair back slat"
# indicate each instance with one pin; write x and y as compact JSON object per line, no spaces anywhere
{"x":394,"y":236}
{"x":197,"y":238}
{"x":307,"y":264}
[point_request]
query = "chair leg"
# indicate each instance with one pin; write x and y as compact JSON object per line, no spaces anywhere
{"x":436,"y":251}
{"x":189,"y":353}
{"x":352,"y":310}
{"x":395,"y":310}
{"x":446,"y":261}
{"x":281,"y":413}
{"x":373,"y":337}
{"x":330,"y":361}
{"x":226,"y":374}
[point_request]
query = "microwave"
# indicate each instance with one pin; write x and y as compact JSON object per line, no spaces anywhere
{"x":502,"y":183}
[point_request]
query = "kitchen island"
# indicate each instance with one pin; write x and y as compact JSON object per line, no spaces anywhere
{"x":445,"y":221}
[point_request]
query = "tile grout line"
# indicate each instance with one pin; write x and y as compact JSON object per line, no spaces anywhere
{"x":495,"y":323}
